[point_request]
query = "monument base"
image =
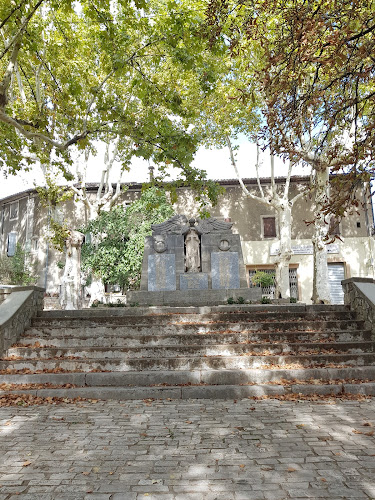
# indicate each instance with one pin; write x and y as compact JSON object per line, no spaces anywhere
{"x":192,"y":297}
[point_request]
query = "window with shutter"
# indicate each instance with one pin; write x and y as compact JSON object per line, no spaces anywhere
{"x":11,"y":246}
{"x":269,"y":227}
{"x":334,"y":227}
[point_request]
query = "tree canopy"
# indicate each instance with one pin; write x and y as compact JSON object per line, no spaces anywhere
{"x":72,"y":73}
{"x":114,"y":251}
{"x":311,"y":66}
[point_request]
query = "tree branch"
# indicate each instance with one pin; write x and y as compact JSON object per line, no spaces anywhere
{"x":21,"y":30}
{"x":11,"y":14}
{"x":273,"y":185}
{"x":94,"y":97}
{"x":4,"y":85}
{"x":359,"y":35}
{"x":258,"y":177}
{"x":61,"y":146}
{"x":287,"y":181}
{"x":244,"y":188}
{"x":82,"y":195}
{"x":20,"y":85}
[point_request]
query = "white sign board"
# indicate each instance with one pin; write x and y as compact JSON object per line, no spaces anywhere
{"x":303,"y":249}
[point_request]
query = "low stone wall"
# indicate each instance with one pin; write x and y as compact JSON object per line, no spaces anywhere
{"x":4,"y":293}
{"x":16,"y":310}
{"x":359,"y":294}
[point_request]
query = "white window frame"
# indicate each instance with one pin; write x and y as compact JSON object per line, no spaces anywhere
{"x":10,"y":210}
{"x":34,"y":244}
{"x":15,"y":246}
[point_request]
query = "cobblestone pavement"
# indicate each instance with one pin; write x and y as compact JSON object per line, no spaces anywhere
{"x":188,"y":450}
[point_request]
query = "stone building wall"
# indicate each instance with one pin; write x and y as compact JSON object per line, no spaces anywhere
{"x":355,"y":251}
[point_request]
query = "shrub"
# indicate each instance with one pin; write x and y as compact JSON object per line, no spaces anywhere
{"x":14,"y":271}
{"x":263,"y":279}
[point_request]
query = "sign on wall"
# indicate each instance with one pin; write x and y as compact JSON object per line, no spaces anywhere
{"x":304,"y":249}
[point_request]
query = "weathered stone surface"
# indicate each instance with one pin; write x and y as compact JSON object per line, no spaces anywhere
{"x":208,"y":247}
{"x":161,"y":272}
{"x":16,"y":312}
{"x":188,"y":450}
{"x":194,"y":281}
{"x":225,"y":270}
{"x":192,"y":297}
{"x":359,"y":294}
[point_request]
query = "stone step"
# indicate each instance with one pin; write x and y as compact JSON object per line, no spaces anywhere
{"x":193,"y":377}
{"x":191,"y":363}
{"x":78,"y":339}
{"x":189,"y":350}
{"x":221,"y":352}
{"x":167,"y":319}
{"x":186,"y":328}
{"x":201,"y":391}
{"x":269,"y":309}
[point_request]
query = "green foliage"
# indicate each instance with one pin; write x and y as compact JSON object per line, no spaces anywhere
{"x":5,"y":270}
{"x":293,"y":300}
{"x":263,"y":279}
{"x":61,"y":99}
{"x":60,"y":233}
{"x":231,"y":300}
{"x":115,"y":253}
{"x":310,"y":66}
{"x":96,"y":303}
{"x":53,"y":194}
{"x":266,"y":300}
{"x":116,"y":304}
{"x":13,"y":270}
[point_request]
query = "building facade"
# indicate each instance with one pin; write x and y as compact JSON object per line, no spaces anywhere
{"x":25,"y":220}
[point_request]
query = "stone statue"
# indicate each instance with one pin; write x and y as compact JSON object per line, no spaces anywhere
{"x":193,"y":254}
{"x":175,"y":225}
{"x":212,"y":225}
{"x":160,"y":244}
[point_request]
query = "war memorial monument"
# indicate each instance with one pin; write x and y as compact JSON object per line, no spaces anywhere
{"x":192,"y":262}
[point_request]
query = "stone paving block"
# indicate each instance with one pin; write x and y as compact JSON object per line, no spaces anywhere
{"x":41,"y":496}
{"x":124,"y":496}
{"x":97,"y":496}
{"x":248,"y":495}
{"x":112,"y":448}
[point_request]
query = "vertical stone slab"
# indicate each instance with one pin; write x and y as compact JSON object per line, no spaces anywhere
{"x":225,"y":270}
{"x":161,"y":272}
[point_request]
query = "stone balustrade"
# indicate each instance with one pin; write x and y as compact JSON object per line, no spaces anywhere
{"x":18,"y":304}
{"x":359,"y":294}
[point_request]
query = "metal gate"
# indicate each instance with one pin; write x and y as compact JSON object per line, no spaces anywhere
{"x":269,"y":291}
{"x":336,"y":273}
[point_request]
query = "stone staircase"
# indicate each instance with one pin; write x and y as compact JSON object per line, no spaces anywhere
{"x":208,"y":352}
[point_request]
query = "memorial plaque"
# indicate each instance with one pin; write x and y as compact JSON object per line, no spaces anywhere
{"x":194,"y":281}
{"x":161,"y":272}
{"x":225,"y":270}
